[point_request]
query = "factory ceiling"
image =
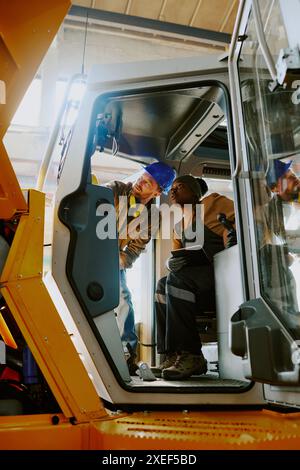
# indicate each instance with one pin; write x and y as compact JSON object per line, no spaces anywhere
{"x":192,"y":22}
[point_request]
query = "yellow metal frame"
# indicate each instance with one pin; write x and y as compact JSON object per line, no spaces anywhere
{"x":201,"y":430}
{"x":37,"y":432}
{"x":30,"y":303}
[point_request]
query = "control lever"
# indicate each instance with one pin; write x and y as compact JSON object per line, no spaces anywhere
{"x":231,"y":237}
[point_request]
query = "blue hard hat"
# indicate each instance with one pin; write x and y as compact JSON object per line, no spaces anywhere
{"x":163,"y":174}
{"x":276,"y":170}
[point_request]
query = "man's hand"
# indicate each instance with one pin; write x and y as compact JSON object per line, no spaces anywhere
{"x":122,"y":261}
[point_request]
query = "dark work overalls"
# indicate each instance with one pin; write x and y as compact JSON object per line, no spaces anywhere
{"x":182,"y":295}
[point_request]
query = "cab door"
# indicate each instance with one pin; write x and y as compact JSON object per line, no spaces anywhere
{"x":135,"y":101}
{"x":264,"y":73}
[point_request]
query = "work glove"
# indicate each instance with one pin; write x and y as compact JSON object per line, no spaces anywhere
{"x":175,"y":264}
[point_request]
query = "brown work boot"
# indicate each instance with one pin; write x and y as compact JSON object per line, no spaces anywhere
{"x":186,"y":364}
{"x":168,"y":362}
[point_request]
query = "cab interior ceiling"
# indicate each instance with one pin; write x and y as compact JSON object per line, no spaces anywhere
{"x":174,"y":125}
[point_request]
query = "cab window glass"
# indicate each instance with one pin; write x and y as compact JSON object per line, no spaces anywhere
{"x":272,"y":123}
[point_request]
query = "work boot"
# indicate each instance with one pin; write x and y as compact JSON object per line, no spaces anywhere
{"x":168,"y":362}
{"x":186,"y":364}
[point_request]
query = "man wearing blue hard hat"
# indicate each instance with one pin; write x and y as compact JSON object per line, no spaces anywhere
{"x":157,"y":178}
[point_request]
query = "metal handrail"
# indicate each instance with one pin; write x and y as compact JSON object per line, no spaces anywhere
{"x":262,"y":40}
{"x":235,"y":35}
{"x":47,"y":158}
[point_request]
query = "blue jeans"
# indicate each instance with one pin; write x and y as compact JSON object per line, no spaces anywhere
{"x":125,"y":314}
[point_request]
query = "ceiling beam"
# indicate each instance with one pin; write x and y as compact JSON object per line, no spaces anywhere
{"x":162,"y":10}
{"x":128,"y":6}
{"x":149,"y":25}
{"x":227,"y":15}
{"x":195,"y":13}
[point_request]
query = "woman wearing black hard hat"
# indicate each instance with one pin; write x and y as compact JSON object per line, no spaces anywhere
{"x":157,"y":178}
{"x":189,"y":287}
